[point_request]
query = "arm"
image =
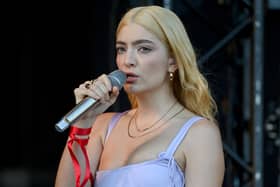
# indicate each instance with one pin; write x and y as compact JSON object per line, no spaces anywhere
{"x":204,"y":156}
{"x":65,"y":174}
{"x":98,"y":89}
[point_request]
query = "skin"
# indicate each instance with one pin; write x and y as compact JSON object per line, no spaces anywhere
{"x":147,"y":62}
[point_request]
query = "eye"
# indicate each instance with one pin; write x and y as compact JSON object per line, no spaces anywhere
{"x":120,"y":50}
{"x":144,"y":49}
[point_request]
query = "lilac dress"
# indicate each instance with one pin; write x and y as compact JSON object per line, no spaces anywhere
{"x":160,"y":172}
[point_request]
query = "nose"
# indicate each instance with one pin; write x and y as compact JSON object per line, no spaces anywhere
{"x":129,"y":58}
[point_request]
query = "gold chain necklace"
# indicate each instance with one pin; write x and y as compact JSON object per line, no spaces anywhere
{"x":136,"y":136}
{"x":153,"y":124}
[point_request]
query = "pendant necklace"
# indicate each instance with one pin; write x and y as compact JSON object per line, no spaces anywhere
{"x":148,"y":132}
{"x":153,"y":124}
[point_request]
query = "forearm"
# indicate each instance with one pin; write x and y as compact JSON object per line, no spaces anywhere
{"x":65,"y":174}
{"x":74,"y":165}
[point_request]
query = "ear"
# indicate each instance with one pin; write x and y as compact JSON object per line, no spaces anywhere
{"x":172,"y":65}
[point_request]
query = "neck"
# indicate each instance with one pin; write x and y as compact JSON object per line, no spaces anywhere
{"x":152,"y":113}
{"x":155,"y":100}
{"x":154,"y":103}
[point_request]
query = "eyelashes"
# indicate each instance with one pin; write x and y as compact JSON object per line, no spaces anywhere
{"x":141,"y":50}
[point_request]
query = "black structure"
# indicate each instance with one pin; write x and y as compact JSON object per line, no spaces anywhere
{"x":237,"y":46}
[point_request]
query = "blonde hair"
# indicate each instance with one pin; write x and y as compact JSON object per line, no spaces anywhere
{"x":189,"y":85}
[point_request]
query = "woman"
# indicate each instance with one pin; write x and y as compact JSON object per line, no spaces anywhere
{"x":169,"y":137}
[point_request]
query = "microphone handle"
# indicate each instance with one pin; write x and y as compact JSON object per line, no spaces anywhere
{"x":75,"y":113}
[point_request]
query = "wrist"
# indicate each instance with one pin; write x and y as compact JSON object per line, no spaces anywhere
{"x":79,"y":131}
{"x":81,"y":135}
{"x":84,"y":123}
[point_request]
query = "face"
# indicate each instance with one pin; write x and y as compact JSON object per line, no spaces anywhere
{"x":144,"y":59}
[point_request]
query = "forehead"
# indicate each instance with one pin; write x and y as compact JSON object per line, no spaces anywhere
{"x":132,"y":32}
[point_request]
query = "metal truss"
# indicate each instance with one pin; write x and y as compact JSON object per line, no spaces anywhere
{"x":253,"y":168}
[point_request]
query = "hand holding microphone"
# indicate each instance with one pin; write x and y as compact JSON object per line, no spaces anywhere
{"x":93,"y":98}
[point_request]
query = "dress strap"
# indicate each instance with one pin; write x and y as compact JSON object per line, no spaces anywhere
{"x":180,"y":136}
{"x":116,"y":117}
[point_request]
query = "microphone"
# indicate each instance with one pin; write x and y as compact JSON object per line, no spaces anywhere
{"x":117,"y":79}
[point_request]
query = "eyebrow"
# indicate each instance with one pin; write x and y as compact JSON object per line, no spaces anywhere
{"x":137,"y":42}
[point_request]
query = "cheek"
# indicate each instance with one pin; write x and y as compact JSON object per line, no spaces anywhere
{"x":157,"y":64}
{"x":118,"y":61}
{"x":157,"y":69}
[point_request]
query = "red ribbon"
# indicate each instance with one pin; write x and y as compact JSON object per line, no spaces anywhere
{"x":82,"y":142}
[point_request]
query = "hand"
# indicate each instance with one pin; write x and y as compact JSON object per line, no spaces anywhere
{"x":100,"y":89}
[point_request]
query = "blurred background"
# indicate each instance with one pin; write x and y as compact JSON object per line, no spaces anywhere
{"x":58,"y":45}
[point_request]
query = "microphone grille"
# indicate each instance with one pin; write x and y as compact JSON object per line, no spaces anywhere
{"x":117,"y":78}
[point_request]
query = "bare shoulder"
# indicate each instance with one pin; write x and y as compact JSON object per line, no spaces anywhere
{"x":203,"y":151}
{"x":203,"y":132}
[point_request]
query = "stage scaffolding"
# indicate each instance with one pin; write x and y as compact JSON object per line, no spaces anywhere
{"x":252,"y":166}
{"x":253,"y":66}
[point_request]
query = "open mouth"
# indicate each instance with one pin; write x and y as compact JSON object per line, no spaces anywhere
{"x":131,"y":78}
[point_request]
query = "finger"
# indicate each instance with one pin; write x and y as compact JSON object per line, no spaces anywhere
{"x":114,"y":95}
{"x":80,"y":94}
{"x":106,"y":81}
{"x":86,"y":84}
{"x":99,"y":88}
{"x":83,"y":91}
{"x":115,"y":92}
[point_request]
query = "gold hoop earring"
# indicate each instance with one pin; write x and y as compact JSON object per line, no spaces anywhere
{"x":171,"y":76}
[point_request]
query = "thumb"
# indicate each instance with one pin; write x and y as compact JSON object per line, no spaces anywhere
{"x":114,"y":94}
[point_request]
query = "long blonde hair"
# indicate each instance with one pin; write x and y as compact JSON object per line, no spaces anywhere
{"x":189,"y":85}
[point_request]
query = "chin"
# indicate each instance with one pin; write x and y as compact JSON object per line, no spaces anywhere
{"x":128,"y":88}
{"x":131,"y":89}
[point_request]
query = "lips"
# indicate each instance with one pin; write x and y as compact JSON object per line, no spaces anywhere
{"x":131,"y":77}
